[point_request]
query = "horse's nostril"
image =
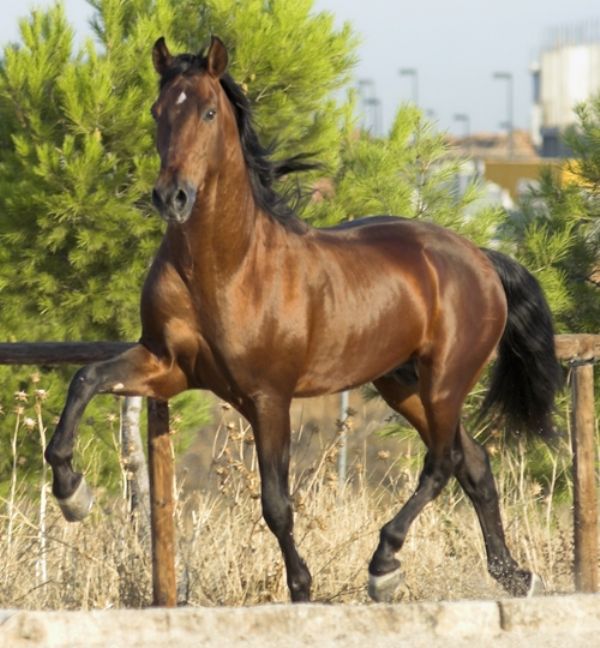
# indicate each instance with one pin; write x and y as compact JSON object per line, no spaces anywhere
{"x":180,"y":199}
{"x":173,"y":202}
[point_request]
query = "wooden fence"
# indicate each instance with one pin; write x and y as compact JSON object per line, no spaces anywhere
{"x":580,"y":352}
{"x":160,"y":462}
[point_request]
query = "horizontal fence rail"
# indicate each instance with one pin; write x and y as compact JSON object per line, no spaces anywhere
{"x":578,"y":346}
{"x":569,"y":347}
{"x":579,"y":351}
{"x":57,"y":353}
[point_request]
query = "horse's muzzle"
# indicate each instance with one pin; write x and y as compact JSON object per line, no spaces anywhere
{"x":174,"y":202}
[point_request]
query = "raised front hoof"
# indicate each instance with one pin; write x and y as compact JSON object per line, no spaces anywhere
{"x":536,"y":586}
{"x":388,"y":588}
{"x":78,"y":505}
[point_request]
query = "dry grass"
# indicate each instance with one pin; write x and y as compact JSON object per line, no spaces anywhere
{"x":227,"y":556}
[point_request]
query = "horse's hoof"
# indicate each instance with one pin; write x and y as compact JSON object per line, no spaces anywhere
{"x":536,"y":587}
{"x":77,"y":506}
{"x":388,"y":587}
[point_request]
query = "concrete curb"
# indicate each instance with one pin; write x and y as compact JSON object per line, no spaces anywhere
{"x":554,"y":621}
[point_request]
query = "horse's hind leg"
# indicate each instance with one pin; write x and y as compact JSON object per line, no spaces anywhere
{"x":475,"y":476}
{"x":472,"y":469}
{"x":137,"y":371}
{"x":440,"y":462}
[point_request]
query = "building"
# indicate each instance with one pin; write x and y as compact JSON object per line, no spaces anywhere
{"x":508,"y":170}
{"x":567,"y":73}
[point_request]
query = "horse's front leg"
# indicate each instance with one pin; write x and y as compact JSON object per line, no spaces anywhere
{"x":135,"y":372}
{"x":271,"y":426}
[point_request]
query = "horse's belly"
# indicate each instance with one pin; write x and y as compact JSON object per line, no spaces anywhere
{"x":352,"y":363}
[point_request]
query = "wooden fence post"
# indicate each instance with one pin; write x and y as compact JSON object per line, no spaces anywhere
{"x":160,"y":467}
{"x":584,"y":477}
{"x":581,"y":351}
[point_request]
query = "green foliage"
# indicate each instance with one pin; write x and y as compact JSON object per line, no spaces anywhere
{"x":75,"y":175}
{"x":557,"y":232}
{"x":291,"y":60}
{"x":27,"y":418}
{"x":77,"y":160}
{"x":409,"y":173}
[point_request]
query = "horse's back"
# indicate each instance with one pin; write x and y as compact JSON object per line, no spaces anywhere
{"x":423,"y":252}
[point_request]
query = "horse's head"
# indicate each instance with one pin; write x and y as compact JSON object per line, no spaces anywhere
{"x":191,"y":114}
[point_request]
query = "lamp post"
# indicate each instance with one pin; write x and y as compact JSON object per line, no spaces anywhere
{"x":366,"y":90}
{"x":375,"y":104}
{"x":508,"y":77}
{"x":463,"y":117}
{"x":365,"y":83}
{"x":412,"y":72}
{"x":466,"y":120}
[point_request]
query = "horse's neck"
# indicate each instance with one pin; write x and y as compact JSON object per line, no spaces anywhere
{"x":222,"y":229}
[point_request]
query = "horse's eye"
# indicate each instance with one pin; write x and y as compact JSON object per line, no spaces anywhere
{"x":210,"y":114}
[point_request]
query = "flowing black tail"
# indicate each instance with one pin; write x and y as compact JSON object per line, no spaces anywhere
{"x":527,"y":374}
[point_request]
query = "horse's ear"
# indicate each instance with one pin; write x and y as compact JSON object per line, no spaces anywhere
{"x":217,"y":58}
{"x":161,"y":57}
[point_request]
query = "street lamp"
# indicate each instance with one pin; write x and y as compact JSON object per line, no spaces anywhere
{"x":508,"y":77}
{"x":412,"y":72}
{"x":375,"y":104}
{"x":366,"y":90}
{"x":463,"y":117}
{"x":365,"y":83}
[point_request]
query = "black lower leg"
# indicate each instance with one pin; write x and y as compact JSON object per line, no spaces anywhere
{"x":278,"y":514}
{"x":59,"y":452}
{"x":433,"y":478}
{"x":475,"y":476}
{"x":271,"y":424}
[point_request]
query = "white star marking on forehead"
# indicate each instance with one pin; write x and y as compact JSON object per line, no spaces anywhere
{"x":182,"y":97}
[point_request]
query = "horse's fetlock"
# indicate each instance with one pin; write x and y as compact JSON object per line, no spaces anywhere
{"x":384,"y":559}
{"x":55,"y":455}
{"x":391,"y":537}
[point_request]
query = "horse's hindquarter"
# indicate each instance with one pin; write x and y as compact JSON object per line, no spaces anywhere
{"x":389,"y":290}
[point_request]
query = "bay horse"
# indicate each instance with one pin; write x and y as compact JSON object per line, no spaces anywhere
{"x":246,"y":300}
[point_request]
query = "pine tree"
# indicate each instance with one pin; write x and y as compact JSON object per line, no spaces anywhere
{"x":555,"y":233}
{"x":557,"y":230}
{"x":77,"y":158}
{"x":411,"y":173}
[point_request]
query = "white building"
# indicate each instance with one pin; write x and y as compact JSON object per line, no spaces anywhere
{"x":567,"y":73}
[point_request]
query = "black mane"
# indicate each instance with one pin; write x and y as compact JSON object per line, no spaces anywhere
{"x":263,"y":170}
